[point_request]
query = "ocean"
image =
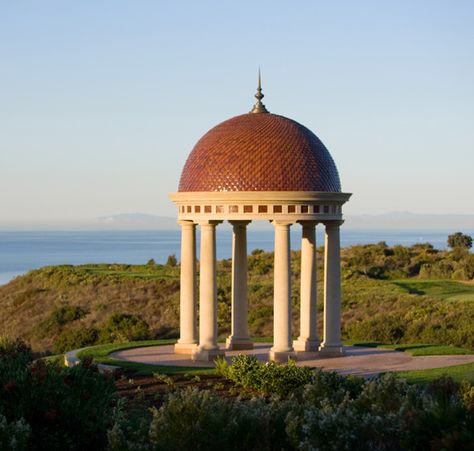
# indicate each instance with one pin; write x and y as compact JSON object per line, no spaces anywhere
{"x":23,"y":251}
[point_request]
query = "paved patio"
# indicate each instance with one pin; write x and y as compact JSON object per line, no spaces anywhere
{"x":360,"y":361}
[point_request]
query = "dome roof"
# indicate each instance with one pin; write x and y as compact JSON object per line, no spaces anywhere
{"x":259,"y":152}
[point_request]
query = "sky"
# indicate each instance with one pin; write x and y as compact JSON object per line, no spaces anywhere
{"x":102,"y":101}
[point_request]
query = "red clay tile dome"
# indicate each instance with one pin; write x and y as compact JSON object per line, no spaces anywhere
{"x":259,"y":152}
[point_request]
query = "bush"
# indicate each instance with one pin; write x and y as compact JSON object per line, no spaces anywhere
{"x":65,"y":408}
{"x":382,"y":328}
{"x":440,"y":270}
{"x":197,"y":420}
{"x":67,"y":313}
{"x":268,"y":378}
{"x":59,"y":317}
{"x":14,"y":436}
{"x":12,"y":348}
{"x":75,"y":339}
{"x":459,"y":240}
{"x":332,"y":412}
{"x":172,"y":261}
{"x":122,"y":327}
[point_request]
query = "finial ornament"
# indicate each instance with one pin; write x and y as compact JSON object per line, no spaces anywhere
{"x":259,"y":107}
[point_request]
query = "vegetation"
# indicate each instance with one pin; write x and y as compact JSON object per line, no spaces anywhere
{"x":324,"y":411}
{"x":459,"y":240}
{"x":391,"y":294}
{"x":418,"y":349}
{"x":458,"y":373}
{"x":270,"y":378}
{"x":279,"y":407}
{"x":46,"y":407}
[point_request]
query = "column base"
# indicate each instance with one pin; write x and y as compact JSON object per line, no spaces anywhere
{"x":236,"y":344}
{"x":184,"y":348}
{"x":207,"y":355}
{"x":331,"y":351}
{"x":281,"y":356}
{"x":306,"y":345}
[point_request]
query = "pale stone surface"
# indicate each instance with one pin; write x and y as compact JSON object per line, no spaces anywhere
{"x":239,"y":338}
{"x":207,"y":295}
{"x":357,"y":360}
{"x":308,"y":340}
{"x":282,"y":341}
{"x":206,"y":355}
{"x":188,"y":296}
{"x":239,"y":199}
{"x":332,"y":289}
{"x":185,"y":348}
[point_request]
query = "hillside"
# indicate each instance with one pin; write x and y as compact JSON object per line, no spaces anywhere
{"x":390,"y":294}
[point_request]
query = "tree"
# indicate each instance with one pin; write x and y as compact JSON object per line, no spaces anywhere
{"x":459,"y":240}
{"x":172,"y":261}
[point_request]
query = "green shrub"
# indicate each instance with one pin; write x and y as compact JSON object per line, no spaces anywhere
{"x":172,"y":260}
{"x":384,"y":328}
{"x":466,"y":267}
{"x":197,"y":420}
{"x":329,"y":386}
{"x":121,"y":327}
{"x":332,"y":412}
{"x":65,"y":408}
{"x":459,"y":240}
{"x":12,"y":348}
{"x":442,"y":269}
{"x":66,"y":314}
{"x":14,"y":436}
{"x":75,"y":338}
{"x":260,"y":262}
{"x":58,"y":318}
{"x":268,"y":378}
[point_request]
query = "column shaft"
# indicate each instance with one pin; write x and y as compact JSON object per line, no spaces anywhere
{"x":188,"y":296}
{"x":282,"y":341}
{"x":332,"y":291}
{"x":308,"y":340}
{"x":208,"y":347}
{"x":239,"y":338}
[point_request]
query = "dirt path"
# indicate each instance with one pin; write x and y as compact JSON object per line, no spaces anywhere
{"x":360,"y":361}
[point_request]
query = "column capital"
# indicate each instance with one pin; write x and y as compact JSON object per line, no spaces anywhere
{"x":282,"y":223}
{"x":182,"y":222}
{"x":308,"y":223}
{"x":333,"y":224}
{"x":206,"y":222}
{"x":238,"y":223}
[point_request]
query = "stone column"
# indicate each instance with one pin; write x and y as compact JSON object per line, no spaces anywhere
{"x":188,"y":296}
{"x":239,"y":338}
{"x":308,"y":340}
{"x":332,"y":344}
{"x":208,"y":348}
{"x":282,"y":342}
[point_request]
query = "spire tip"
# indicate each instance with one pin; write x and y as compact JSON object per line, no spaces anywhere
{"x":259,"y":107}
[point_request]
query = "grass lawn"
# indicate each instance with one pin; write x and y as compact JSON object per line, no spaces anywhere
{"x":416,"y":349}
{"x":130,"y":274}
{"x":424,"y":349}
{"x":440,"y":289}
{"x":458,"y":373}
{"x":101,"y":354}
{"x":57,"y":359}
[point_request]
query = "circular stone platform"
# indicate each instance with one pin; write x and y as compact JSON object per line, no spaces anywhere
{"x":361,"y":361}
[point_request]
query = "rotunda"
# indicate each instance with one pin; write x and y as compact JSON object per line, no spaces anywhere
{"x":259,"y":166}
